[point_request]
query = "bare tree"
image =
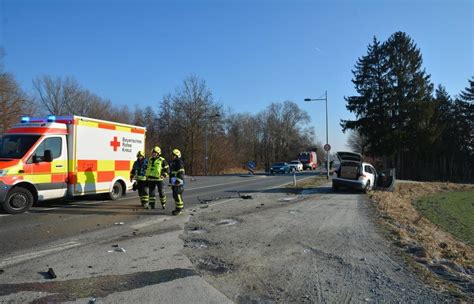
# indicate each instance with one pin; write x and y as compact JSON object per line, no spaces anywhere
{"x":58,"y":95}
{"x":186,"y":118}
{"x":13,"y":101}
{"x":357,"y":142}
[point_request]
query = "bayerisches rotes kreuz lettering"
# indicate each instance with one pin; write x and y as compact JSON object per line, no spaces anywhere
{"x":127,"y":143}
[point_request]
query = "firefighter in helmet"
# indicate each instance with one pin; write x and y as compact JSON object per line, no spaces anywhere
{"x":138,"y":173}
{"x":177,"y":181}
{"x":156,"y":171}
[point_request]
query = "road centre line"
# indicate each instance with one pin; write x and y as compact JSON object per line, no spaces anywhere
{"x":216,"y":185}
{"x":239,"y":182}
{"x":28,"y":256}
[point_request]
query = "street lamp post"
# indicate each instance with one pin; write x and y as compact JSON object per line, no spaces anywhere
{"x":327,"y":140}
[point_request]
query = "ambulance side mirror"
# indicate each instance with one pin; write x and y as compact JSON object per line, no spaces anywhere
{"x":48,"y":156}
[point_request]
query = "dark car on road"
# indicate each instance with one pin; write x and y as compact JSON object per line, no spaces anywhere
{"x":280,"y":168}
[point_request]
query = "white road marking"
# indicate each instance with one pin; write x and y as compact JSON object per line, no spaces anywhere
{"x":32,"y":255}
{"x":5,"y":214}
{"x":223,"y":202}
{"x":215,"y":185}
{"x":152,"y":222}
{"x":46,"y":208}
{"x":228,"y":200}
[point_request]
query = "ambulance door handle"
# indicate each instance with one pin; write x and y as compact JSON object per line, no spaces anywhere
{"x":21,"y":171}
{"x":59,"y":166}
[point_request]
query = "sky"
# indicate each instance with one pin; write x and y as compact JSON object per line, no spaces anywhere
{"x":250,"y":53}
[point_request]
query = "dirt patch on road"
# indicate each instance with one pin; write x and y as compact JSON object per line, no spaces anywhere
{"x":441,"y":258}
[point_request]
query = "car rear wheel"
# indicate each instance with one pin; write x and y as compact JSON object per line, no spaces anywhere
{"x":368,"y":187}
{"x":116,"y":191}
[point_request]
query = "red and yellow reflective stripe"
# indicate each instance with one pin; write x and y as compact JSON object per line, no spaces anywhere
{"x":103,"y":125}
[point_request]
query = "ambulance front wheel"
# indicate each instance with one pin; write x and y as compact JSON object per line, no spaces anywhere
{"x":18,"y":201}
{"x":117,"y":191}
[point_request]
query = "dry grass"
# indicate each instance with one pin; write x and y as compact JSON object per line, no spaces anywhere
{"x":411,"y":227}
{"x":235,"y":170}
{"x":312,"y":182}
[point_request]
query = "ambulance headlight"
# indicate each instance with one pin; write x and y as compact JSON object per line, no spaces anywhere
{"x":3,"y":172}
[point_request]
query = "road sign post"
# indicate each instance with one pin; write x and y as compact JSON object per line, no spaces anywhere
{"x":251,"y":166}
{"x":327,"y":148}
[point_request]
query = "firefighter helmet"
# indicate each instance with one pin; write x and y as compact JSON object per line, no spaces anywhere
{"x":177,"y":153}
{"x":140,"y":153}
{"x":156,"y":149}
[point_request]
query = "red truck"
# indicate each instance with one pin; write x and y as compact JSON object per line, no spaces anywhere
{"x":309,"y":159}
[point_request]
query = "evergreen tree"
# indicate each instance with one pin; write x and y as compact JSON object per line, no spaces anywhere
{"x":394,"y":108}
{"x":409,"y":99}
{"x":371,"y":84}
{"x":468,"y":94}
{"x":464,"y":113}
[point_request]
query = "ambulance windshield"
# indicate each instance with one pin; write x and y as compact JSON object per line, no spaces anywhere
{"x":15,"y":146}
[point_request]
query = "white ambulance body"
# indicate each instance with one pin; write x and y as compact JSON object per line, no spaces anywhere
{"x":59,"y":157}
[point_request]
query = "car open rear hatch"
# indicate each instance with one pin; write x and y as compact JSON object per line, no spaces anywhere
{"x":349,"y":156}
{"x":350,"y":164}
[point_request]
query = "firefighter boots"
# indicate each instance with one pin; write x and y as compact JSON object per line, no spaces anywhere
{"x":177,"y":211}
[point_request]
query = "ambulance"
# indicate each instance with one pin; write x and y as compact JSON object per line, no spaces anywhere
{"x":67,"y":156}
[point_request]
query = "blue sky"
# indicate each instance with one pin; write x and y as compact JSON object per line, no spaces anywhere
{"x":250,"y":53}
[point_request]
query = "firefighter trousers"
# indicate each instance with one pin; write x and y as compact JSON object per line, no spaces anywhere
{"x":142,"y":187}
{"x":152,"y":185}
{"x":178,"y":196}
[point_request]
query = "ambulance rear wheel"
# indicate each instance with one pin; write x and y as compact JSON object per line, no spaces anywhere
{"x":18,"y":201}
{"x":116,"y":192}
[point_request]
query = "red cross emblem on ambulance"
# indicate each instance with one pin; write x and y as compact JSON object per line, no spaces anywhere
{"x":115,"y":143}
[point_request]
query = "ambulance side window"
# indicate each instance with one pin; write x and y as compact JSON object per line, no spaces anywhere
{"x":52,"y":143}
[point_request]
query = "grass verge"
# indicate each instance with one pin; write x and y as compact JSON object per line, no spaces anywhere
{"x":438,"y":255}
{"x":452,"y":211}
{"x":308,"y":183}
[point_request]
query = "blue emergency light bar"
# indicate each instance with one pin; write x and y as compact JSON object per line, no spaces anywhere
{"x":25,"y":119}
{"x":51,"y":118}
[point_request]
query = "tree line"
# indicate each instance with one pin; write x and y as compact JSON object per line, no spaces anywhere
{"x":188,"y":119}
{"x":402,"y":120}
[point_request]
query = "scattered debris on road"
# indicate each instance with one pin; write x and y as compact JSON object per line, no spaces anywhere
{"x":208,"y":200}
{"x":51,"y":273}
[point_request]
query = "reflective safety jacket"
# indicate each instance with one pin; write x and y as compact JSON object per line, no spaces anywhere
{"x":157,"y":168}
{"x":139,"y":169}
{"x":177,"y":172}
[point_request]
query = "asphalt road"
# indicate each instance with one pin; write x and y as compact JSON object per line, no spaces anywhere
{"x":56,"y":221}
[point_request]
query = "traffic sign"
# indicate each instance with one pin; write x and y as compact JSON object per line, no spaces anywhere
{"x":327,"y":147}
{"x":251,"y":165}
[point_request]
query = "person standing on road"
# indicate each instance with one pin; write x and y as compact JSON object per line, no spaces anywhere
{"x":138,"y":173}
{"x":156,"y":171}
{"x":177,"y":181}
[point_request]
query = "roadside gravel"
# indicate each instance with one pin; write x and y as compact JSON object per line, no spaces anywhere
{"x":316,"y":248}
